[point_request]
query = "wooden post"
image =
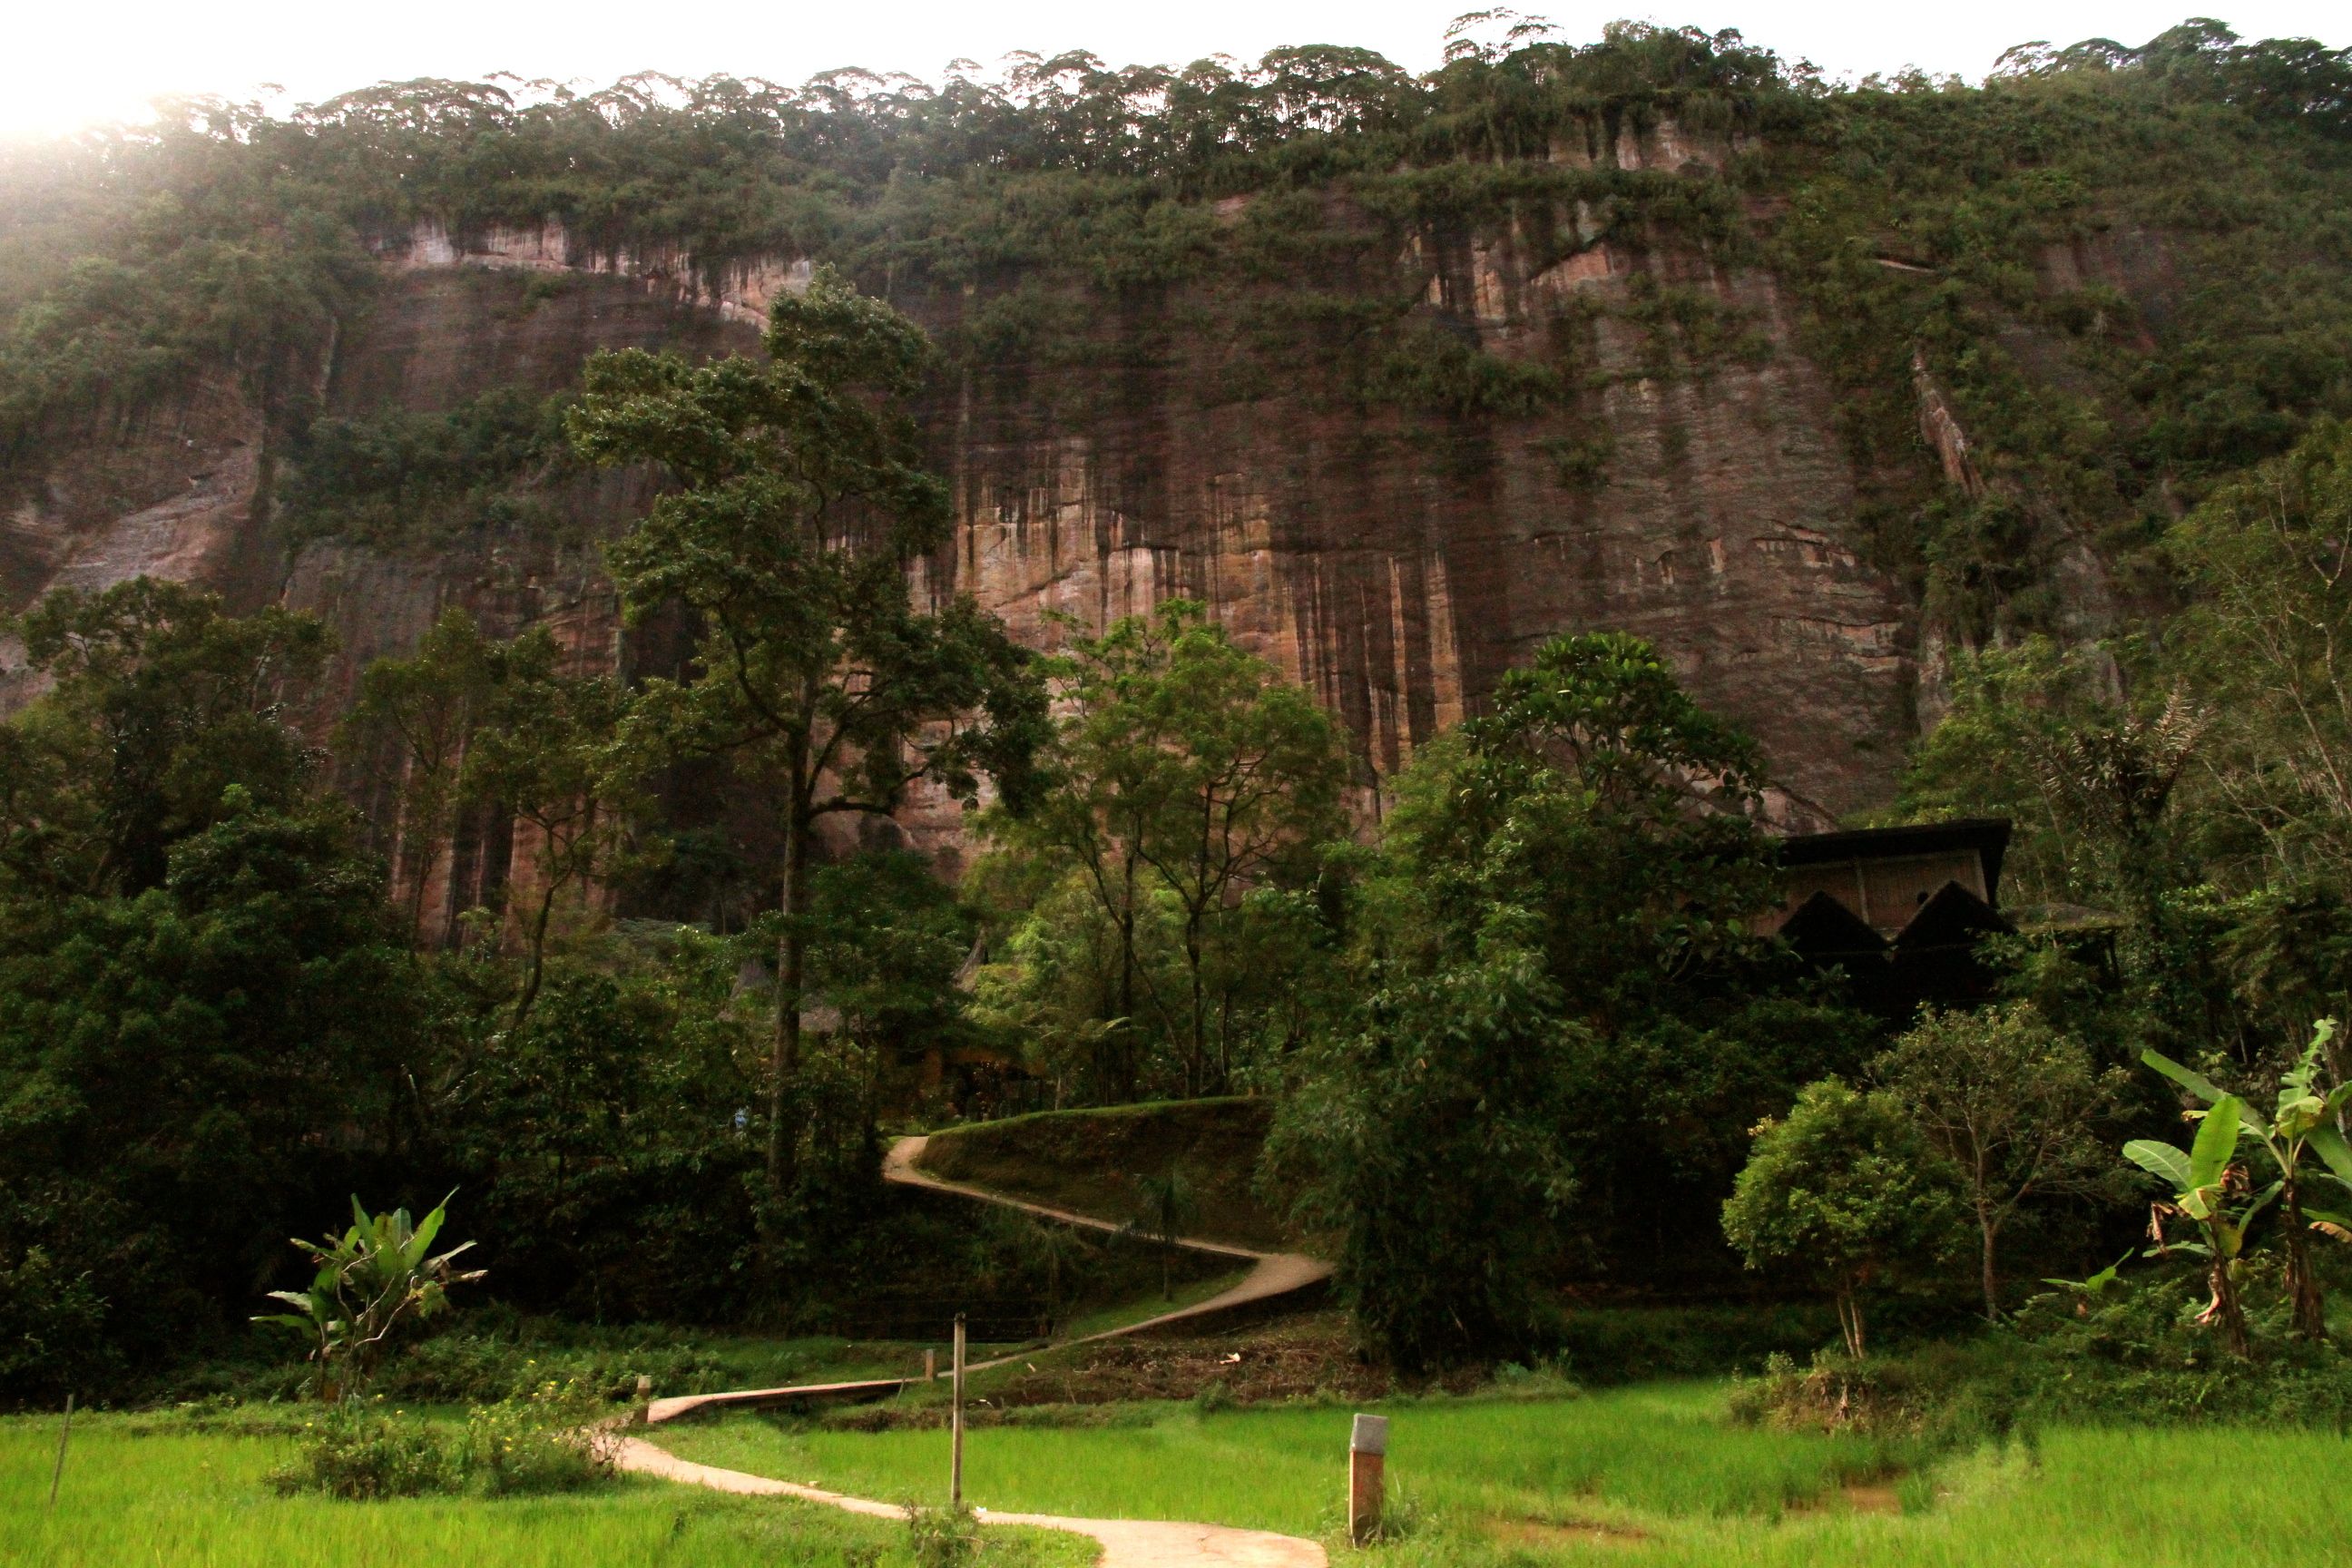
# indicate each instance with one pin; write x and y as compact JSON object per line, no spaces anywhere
{"x":955,"y":1425}
{"x":65,"y":1434}
{"x":1367,"y":1448}
{"x":930,"y":1367}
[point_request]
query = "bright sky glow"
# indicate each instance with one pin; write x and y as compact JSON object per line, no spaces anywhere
{"x":63,"y":66}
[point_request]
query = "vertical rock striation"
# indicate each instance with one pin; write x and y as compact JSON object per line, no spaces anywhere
{"x":1394,"y":560}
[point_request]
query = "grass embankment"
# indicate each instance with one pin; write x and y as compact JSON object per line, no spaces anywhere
{"x":1186,"y":1293}
{"x":1089,"y":1160}
{"x":200,"y":1498}
{"x":490,"y":1354}
{"x":1653,"y":1473}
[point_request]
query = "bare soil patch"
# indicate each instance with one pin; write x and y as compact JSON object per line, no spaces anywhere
{"x":1544,"y":1533}
{"x":1872,"y":1497}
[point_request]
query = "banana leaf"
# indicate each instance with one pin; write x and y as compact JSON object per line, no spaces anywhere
{"x":2330,"y":1146}
{"x":2217,"y":1141}
{"x":2194,"y":1082}
{"x":2161,"y":1159}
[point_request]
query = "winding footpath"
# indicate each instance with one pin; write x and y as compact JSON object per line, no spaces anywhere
{"x":1272,"y":1275}
{"x":1126,"y":1543}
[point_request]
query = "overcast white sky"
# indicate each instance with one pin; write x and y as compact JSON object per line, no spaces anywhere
{"x":64,"y":64}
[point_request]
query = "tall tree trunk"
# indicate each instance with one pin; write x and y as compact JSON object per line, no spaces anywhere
{"x":1196,"y":1067}
{"x":792,"y":954}
{"x":419,"y":882}
{"x":538,"y":967}
{"x":1124,"y":1058}
{"x":1849,"y":1312}
{"x":1989,"y":1229}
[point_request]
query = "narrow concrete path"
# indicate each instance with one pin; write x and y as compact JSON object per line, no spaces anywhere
{"x":1271,"y":1275}
{"x":1126,"y":1543}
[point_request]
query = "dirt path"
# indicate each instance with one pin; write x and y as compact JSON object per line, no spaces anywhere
{"x":1126,"y":1543}
{"x":1271,"y":1274}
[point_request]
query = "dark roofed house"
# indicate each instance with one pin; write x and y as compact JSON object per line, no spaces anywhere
{"x":1899,"y":909}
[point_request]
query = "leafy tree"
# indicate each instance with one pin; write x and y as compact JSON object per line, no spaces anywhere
{"x":888,"y":941}
{"x":2039,"y":734}
{"x":800,"y":505}
{"x":603,"y":1134}
{"x":182,"y":1070}
{"x":1053,"y":988}
{"x":2012,"y":1105}
{"x":475,"y":721}
{"x":1425,"y":1139}
{"x":429,"y":705}
{"x":1843,"y":1188}
{"x":161,"y":703}
{"x":2267,"y":646}
{"x":1595,"y":812}
{"x":2116,"y":781}
{"x":1687,"y":1088}
{"x":1187,"y":769}
{"x":53,"y":1331}
{"x":553,"y":751}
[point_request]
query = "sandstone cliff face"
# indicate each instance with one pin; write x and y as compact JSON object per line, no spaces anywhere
{"x":1393,"y":563}
{"x":1398,"y":588}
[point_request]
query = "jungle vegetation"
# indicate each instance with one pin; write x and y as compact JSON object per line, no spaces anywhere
{"x":1519,"y":1037}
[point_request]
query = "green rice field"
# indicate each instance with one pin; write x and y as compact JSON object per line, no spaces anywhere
{"x":136,"y":1498}
{"x":1652,"y":1473}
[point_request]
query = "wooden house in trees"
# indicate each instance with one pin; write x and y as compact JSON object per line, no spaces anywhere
{"x":1899,"y":910}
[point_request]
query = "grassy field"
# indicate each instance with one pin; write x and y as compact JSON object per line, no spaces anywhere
{"x":1649,"y":1473}
{"x":1186,"y":1293}
{"x":132,"y":1496}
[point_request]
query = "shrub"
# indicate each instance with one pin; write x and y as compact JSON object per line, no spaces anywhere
{"x":2128,"y":1352}
{"x":942,"y":1536}
{"x":545,"y":1441}
{"x":359,"y":1452}
{"x":469,"y":1368}
{"x":51,"y":1333}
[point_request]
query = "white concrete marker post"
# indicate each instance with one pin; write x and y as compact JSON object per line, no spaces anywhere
{"x":1368,"y":1449}
{"x":955,"y":1425}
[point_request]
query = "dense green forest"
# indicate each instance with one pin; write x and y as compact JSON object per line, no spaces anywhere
{"x":1518,"y":1033}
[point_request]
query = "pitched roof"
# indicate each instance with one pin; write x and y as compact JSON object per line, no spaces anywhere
{"x":1823,"y":930}
{"x":1986,"y":836}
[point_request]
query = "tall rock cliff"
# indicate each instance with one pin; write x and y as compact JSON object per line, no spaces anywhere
{"x":1392,"y":559}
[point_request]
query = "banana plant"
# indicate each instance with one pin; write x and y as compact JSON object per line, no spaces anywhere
{"x":2208,"y":1190}
{"x":375,"y":1276}
{"x":2307,"y":1120}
